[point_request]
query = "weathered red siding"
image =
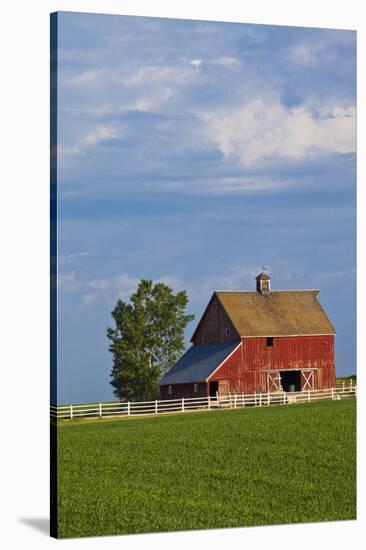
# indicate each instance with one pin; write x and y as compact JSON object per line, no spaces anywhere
{"x":213,"y":325}
{"x":247,"y":368}
{"x":230,"y":374}
{"x":183,"y":390}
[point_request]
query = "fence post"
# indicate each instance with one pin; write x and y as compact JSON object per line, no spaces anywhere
{"x":268,"y":399}
{"x":260,"y":399}
{"x":156,"y":406}
{"x":350,"y":386}
{"x":128,"y":408}
{"x":71,"y":412}
{"x":209,"y":403}
{"x":284,"y":398}
{"x":235,"y":401}
{"x":182,"y":404}
{"x":343,"y":387}
{"x":309,"y":398}
{"x":100,"y":409}
{"x":255,"y":398}
{"x":332,"y":394}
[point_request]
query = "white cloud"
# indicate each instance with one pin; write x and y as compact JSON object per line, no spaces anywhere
{"x":310,"y":52}
{"x":226,"y":61}
{"x":333,"y":276}
{"x":122,"y":283}
{"x":224,"y":185}
{"x":89,"y":298}
{"x":67,"y":277}
{"x":265,"y":129}
{"x":108,"y":289}
{"x":76,"y":255}
{"x":145,"y":88}
{"x":125,"y":284}
{"x":196,"y":62}
{"x":99,"y":284}
{"x":85,"y":77}
{"x":67,"y":259}
{"x":235,"y":277}
{"x":144,"y":75}
{"x":151,"y":101}
{"x":67,"y":281}
{"x":339,"y":112}
{"x":153,"y":86}
{"x":161,"y":75}
{"x":304,"y":54}
{"x":100,"y":133}
{"x":93,"y":290}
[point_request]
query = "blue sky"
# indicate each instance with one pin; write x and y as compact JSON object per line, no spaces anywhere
{"x":194,"y":153}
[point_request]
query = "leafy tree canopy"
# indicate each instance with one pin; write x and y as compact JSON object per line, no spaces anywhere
{"x":147,"y":340}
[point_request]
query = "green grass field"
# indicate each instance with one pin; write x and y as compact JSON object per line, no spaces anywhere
{"x":208,"y":470}
{"x":352,"y":377}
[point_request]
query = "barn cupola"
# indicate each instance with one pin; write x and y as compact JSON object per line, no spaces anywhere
{"x":263,"y":283}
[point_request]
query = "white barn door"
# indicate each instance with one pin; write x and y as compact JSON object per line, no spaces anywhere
{"x":307,"y":380}
{"x":274,"y":382}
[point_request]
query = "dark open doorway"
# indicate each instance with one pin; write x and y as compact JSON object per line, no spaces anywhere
{"x":291,"y":380}
{"x":214,"y":387}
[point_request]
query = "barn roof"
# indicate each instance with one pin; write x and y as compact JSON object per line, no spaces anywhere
{"x":198,"y":363}
{"x":280,"y":313}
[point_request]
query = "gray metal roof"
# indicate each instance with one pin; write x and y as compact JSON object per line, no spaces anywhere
{"x":198,"y":363}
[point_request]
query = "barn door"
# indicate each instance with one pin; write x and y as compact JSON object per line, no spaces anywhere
{"x":224,"y":387}
{"x":307,"y":380}
{"x":274,"y":382}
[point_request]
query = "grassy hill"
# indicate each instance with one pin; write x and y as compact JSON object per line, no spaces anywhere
{"x":208,"y":470}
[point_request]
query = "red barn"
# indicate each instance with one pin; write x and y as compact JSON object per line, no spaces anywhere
{"x":256,"y":341}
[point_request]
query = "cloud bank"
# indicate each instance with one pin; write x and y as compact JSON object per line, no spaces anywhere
{"x":266,"y":129}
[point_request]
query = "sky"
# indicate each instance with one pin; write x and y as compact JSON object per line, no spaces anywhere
{"x":194,"y":153}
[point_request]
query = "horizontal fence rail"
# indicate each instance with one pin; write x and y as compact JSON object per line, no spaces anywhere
{"x":232,"y":401}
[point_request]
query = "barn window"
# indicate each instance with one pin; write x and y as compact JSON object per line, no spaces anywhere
{"x":270,"y":341}
{"x":170,"y":390}
{"x":196,"y":388}
{"x":227,"y":331}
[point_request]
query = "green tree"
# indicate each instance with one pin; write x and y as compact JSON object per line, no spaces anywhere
{"x":147,"y":340}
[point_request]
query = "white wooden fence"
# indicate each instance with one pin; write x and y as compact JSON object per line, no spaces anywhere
{"x":233,"y":401}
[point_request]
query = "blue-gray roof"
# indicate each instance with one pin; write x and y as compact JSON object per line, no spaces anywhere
{"x":197,"y":364}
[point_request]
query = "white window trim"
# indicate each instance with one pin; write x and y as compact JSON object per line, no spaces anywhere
{"x":195,"y":388}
